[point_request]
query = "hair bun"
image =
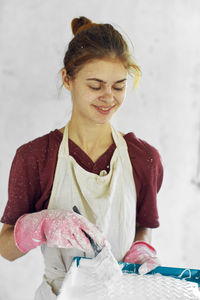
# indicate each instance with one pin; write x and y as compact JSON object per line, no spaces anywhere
{"x":80,"y":23}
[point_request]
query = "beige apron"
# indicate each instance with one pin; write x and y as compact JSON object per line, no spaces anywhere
{"x":107,"y":200}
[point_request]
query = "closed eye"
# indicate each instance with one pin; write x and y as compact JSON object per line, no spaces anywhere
{"x":93,"y":88}
{"x":117,"y":89}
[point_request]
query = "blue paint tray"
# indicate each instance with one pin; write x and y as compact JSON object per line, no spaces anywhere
{"x":192,"y":275}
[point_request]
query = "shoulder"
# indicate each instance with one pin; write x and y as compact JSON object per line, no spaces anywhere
{"x":140,"y":148}
{"x":145,"y":159}
{"x":40,"y":146}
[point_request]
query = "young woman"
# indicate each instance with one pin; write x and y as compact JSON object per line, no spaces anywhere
{"x":113,"y":178}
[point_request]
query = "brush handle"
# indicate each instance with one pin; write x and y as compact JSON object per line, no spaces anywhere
{"x":94,"y":245}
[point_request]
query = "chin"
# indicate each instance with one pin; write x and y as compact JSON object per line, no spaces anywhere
{"x":101,"y":121}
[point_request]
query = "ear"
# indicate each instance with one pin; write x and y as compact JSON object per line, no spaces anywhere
{"x":66,"y":79}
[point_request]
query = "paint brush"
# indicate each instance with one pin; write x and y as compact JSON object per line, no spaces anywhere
{"x":96,"y":248}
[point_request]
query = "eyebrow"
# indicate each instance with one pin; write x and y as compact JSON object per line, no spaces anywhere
{"x":99,"y":80}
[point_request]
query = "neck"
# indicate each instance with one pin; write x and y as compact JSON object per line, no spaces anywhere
{"x":89,"y":137}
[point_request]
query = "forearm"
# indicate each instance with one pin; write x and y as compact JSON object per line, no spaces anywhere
{"x":143,"y":234}
{"x":8,"y":249}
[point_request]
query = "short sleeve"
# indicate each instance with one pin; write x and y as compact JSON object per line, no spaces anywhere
{"x":23,"y":187}
{"x":147,"y":212}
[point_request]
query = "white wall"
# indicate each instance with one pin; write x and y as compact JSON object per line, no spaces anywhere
{"x":164,"y":110}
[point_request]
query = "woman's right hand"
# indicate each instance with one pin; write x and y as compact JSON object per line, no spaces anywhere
{"x":58,"y":228}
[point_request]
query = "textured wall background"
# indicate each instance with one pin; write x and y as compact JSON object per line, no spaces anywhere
{"x":164,"y":110}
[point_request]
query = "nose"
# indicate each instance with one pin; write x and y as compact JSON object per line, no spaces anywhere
{"x":107,"y":96}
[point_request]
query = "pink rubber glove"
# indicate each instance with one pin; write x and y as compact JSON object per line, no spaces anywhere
{"x":142,"y":253}
{"x":58,"y":228}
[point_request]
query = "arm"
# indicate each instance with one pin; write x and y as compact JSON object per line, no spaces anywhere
{"x":142,"y":234}
{"x":141,"y":251}
{"x":8,"y":249}
{"x":148,"y":177}
{"x":23,"y":189}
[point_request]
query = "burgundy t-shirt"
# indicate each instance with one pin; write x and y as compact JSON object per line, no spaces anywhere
{"x":33,"y":167}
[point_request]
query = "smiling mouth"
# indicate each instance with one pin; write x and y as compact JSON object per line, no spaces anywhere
{"x":103,"y":109}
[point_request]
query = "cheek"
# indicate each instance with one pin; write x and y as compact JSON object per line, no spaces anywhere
{"x":120,"y":98}
{"x":83,"y":100}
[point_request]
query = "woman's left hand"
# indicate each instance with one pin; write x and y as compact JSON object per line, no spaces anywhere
{"x":142,"y":253}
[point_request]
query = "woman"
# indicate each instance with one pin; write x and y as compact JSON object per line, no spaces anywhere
{"x":113,"y":178}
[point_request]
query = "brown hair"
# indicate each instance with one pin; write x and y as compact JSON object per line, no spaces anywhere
{"x":96,"y":41}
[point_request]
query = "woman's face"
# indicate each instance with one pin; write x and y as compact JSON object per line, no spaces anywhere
{"x":98,"y":90}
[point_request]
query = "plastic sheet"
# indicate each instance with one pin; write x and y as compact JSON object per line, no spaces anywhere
{"x":89,"y":279}
{"x":192,"y":275}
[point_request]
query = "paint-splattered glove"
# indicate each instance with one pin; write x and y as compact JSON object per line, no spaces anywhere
{"x":142,"y":253}
{"x":57,"y":228}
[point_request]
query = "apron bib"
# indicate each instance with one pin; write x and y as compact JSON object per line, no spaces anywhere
{"x":107,"y":200}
